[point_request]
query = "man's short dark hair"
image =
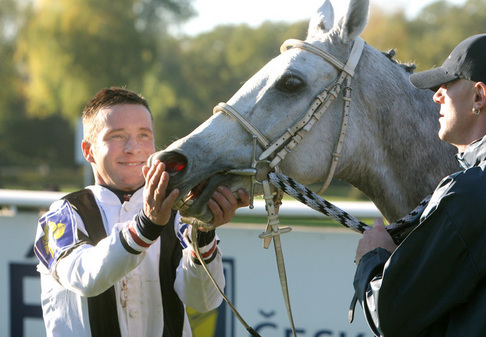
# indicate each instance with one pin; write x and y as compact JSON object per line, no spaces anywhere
{"x":105,"y":98}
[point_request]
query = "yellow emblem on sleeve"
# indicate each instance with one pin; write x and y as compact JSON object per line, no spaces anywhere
{"x":52,"y":232}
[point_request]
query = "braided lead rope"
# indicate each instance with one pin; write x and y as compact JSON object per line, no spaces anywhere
{"x":398,"y":229}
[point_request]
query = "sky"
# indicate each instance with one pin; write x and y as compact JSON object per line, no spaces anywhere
{"x":254,"y":12}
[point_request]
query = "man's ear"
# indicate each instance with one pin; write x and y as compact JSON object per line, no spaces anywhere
{"x":86,"y":147}
{"x":480,"y":98}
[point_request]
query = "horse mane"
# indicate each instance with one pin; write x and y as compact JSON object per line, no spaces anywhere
{"x":408,"y":67}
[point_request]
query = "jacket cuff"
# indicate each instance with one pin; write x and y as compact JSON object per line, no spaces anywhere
{"x":140,"y":234}
{"x":208,"y":246}
{"x":370,"y":266}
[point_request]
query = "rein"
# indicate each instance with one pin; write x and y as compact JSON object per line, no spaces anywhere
{"x":274,"y":152}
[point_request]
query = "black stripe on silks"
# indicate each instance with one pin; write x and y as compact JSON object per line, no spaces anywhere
{"x":127,"y":246}
{"x":170,"y":257}
{"x":102,"y":311}
{"x":103,"y":317}
{"x":146,"y":227}
{"x":207,"y":261}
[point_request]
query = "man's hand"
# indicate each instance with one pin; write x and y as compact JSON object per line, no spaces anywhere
{"x":375,"y":238}
{"x":223,"y":204}
{"x":156,"y":205}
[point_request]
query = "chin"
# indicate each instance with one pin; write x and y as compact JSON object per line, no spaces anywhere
{"x":132,"y":186}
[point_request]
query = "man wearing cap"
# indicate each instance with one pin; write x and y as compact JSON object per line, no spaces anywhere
{"x":434,"y":282}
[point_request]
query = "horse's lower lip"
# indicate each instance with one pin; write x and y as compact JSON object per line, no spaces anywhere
{"x":191,"y":196}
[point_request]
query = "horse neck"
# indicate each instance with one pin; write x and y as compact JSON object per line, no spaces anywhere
{"x":394,"y":155}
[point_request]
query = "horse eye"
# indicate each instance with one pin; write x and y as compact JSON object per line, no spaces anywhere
{"x":289,"y":83}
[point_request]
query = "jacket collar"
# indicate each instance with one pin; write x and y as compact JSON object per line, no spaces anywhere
{"x":475,"y":153}
{"x":107,"y":196}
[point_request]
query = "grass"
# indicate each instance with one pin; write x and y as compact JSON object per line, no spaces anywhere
{"x":293,"y":221}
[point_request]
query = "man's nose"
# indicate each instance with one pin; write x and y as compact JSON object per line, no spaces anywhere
{"x":438,"y":96}
{"x":132,"y":145}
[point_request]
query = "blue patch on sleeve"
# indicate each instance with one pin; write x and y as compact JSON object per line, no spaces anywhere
{"x":56,"y":232}
{"x":181,"y":228}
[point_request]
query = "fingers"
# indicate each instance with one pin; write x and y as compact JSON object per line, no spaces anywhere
{"x":170,"y":199}
{"x":244,"y":198}
{"x":157,"y":206}
{"x":155,"y":180}
{"x":378,"y":224}
{"x":377,"y":230}
{"x":223,"y":204}
{"x":376,"y":237}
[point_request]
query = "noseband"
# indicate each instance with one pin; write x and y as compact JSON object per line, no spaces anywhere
{"x":279,"y":148}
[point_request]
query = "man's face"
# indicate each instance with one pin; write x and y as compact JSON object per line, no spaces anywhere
{"x":456,"y":118}
{"x":122,"y":147}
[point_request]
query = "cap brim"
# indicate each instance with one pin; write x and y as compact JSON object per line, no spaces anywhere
{"x":431,"y":79}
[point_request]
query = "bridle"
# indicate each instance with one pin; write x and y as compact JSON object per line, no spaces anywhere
{"x":276,"y":151}
{"x":283,"y":145}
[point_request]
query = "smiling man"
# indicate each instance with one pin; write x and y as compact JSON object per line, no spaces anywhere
{"x":115,"y":260}
{"x":433,"y":283}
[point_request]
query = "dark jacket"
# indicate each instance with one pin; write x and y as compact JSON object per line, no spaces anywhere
{"x":434,"y":283}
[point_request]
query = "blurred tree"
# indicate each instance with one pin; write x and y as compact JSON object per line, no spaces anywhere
{"x":8,"y":78}
{"x":431,"y":36}
{"x":154,"y":15}
{"x":441,"y":26}
{"x":209,"y":69}
{"x":11,"y":102}
{"x":387,"y":31}
{"x":69,"y":49}
{"x":57,"y":53}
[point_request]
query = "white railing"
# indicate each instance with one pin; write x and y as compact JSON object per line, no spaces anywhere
{"x":42,"y":199}
{"x":22,"y":198}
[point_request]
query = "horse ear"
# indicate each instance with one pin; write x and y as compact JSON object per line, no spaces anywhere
{"x":354,"y":20}
{"x":322,"y":21}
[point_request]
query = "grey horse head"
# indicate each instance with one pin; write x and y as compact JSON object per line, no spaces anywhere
{"x":391,"y":151}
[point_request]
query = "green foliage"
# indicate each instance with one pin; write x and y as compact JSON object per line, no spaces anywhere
{"x":57,"y":53}
{"x":431,"y":36}
{"x":72,"y":48}
{"x":198,"y":73}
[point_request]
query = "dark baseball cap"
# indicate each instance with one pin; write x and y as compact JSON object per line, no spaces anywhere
{"x":467,"y":61}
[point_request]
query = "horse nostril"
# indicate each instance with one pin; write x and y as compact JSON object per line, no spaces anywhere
{"x":174,"y":162}
{"x":174,"y":167}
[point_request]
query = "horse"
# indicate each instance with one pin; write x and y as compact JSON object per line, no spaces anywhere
{"x":391,"y":151}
